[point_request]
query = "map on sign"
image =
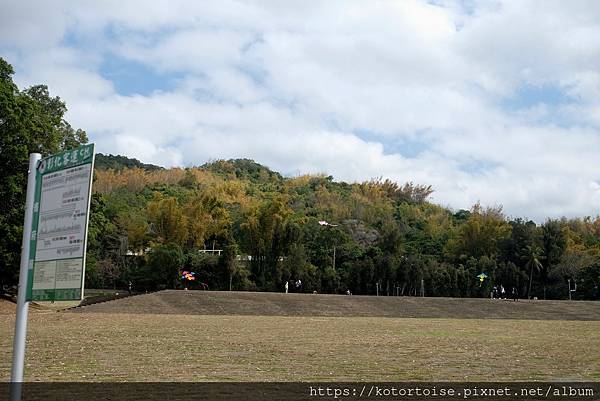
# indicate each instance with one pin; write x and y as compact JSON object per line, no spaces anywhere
{"x":59,"y":232}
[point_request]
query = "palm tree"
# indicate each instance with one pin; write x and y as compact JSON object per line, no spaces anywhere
{"x":533,"y":260}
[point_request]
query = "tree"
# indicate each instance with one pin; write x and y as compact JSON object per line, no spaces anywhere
{"x":207,"y":217}
{"x":110,"y":271}
{"x":571,"y":267}
{"x":533,"y":261}
{"x":514,"y":247}
{"x":165,"y":262}
{"x":207,"y":269}
{"x":30,"y":121}
{"x":297,"y":267}
{"x":555,"y":244}
{"x":480,"y":234}
{"x":229,"y":260}
{"x":167,"y":220}
{"x":265,"y":237}
{"x":103,"y":237}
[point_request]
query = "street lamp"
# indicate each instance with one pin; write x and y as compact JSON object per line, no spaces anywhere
{"x":326,"y":224}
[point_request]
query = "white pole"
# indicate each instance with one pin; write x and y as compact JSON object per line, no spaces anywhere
{"x":22,"y":304}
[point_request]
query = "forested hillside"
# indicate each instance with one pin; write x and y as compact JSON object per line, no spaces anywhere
{"x":148,"y":225}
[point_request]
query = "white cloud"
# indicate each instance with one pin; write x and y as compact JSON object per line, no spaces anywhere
{"x":28,"y":25}
{"x":331,"y":86}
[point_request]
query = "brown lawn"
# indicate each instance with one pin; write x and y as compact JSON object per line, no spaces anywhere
{"x":129,"y":347}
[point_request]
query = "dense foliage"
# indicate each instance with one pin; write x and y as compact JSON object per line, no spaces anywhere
{"x":30,"y":121}
{"x":386,"y":238}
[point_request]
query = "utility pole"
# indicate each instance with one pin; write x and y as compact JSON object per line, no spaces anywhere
{"x":326,"y":224}
{"x":571,"y":290}
{"x":334,"y":258}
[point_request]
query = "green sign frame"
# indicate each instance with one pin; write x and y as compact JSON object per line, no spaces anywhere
{"x":63,"y":188}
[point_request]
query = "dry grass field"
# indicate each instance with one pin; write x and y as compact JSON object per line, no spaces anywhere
{"x":165,"y":347}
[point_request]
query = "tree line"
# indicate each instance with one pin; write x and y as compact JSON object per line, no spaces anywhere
{"x":381,"y":238}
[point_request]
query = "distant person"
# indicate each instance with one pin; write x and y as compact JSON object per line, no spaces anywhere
{"x":299,"y":285}
{"x":129,"y":286}
{"x":502,"y":292}
{"x":514,"y":293}
{"x":494,"y":292}
{"x":286,"y":287}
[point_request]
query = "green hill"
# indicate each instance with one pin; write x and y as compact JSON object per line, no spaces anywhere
{"x":117,"y":162}
{"x":243,"y":169}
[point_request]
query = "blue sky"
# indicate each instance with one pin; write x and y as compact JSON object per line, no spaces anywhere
{"x":135,"y":78}
{"x":496,"y":102}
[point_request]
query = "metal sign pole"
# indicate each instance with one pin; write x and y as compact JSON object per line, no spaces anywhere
{"x":16,"y":376}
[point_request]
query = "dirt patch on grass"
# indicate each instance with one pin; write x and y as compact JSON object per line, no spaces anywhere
{"x":146,"y":347}
{"x":7,"y":307}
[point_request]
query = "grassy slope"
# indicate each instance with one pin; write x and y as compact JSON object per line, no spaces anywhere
{"x":279,"y":304}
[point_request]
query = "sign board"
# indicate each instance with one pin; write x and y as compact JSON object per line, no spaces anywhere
{"x":59,"y":227}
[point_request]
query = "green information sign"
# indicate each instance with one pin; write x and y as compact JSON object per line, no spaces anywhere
{"x":59,"y":228}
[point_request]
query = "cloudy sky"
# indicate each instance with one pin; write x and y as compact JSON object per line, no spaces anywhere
{"x":492,"y":101}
